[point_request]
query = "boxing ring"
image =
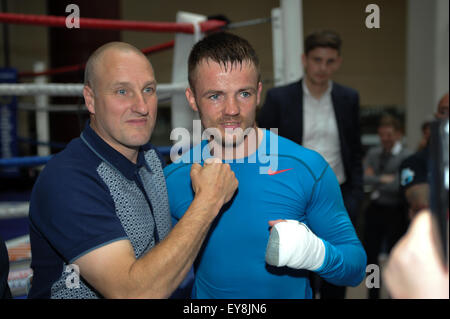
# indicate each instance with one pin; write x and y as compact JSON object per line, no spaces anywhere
{"x":188,"y":29}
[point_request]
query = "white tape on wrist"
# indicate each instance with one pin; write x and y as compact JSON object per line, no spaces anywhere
{"x":294,"y":245}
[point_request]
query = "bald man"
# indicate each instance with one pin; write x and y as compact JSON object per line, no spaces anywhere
{"x":100,"y":224}
{"x":414,"y":169}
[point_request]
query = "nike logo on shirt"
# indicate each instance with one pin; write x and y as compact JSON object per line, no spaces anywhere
{"x":270,"y":172}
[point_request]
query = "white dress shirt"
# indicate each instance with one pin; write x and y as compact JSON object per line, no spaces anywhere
{"x":320,"y":131}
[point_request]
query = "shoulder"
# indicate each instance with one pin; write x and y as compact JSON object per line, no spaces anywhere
{"x":415,"y":165}
{"x":344,"y":90}
{"x":291,"y":87}
{"x":417,"y":159}
{"x":68,"y":174}
{"x":74,"y":158}
{"x":176,"y":170}
{"x":413,"y":170}
{"x":182,"y":165}
{"x":287,"y":86}
{"x":69,"y":187}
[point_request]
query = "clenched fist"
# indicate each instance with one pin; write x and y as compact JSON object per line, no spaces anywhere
{"x":214,"y":182}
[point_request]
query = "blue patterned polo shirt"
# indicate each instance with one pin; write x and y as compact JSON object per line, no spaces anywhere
{"x":90,"y":195}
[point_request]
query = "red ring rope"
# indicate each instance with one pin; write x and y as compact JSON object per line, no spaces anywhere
{"x":90,"y":23}
{"x":63,"y":69}
{"x":77,"y":67}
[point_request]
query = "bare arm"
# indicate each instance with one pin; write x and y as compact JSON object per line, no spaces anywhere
{"x":115,"y":272}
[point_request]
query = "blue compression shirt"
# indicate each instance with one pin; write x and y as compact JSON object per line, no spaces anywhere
{"x":301,"y":186}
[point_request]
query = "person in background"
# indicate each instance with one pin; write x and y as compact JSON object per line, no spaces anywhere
{"x":426,"y":131}
{"x":414,"y":169}
{"x":385,"y":218}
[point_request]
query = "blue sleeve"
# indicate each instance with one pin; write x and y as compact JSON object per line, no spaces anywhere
{"x":345,"y":258}
{"x":74,"y":211}
{"x":180,"y":193}
{"x":179,"y":188}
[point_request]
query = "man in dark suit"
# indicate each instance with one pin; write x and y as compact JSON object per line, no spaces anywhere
{"x":322,"y":115}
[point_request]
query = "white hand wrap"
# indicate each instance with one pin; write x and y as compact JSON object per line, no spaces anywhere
{"x":294,"y":245}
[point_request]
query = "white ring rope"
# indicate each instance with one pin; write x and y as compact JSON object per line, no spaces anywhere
{"x":65,"y":108}
{"x":197,"y":32}
{"x":69,"y":89}
{"x":14,"y":209}
{"x":52,"y":108}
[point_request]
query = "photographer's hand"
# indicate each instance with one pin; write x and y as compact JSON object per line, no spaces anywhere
{"x":414,"y":269}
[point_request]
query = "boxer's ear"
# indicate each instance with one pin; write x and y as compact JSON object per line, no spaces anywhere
{"x":191,"y":99}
